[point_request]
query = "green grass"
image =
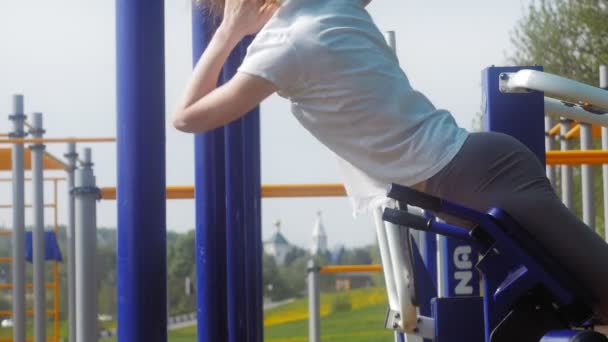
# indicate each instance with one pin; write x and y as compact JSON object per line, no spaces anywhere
{"x":362,"y":324}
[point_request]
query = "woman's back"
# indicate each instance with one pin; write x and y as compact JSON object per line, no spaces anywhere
{"x":347,"y":89}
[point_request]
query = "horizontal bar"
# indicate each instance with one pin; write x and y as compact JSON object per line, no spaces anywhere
{"x":8,"y":313}
{"x":558,"y":109}
{"x":559,"y":87}
{"x":28,"y":339}
{"x":5,"y":232}
{"x":590,"y":157}
{"x":350,"y":269}
{"x":268,"y":191}
{"x":29,"y":179}
{"x":10,"y":206}
{"x":27,"y":286}
{"x":57,"y":140}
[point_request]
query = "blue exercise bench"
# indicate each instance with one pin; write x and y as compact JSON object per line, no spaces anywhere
{"x":528,"y":296}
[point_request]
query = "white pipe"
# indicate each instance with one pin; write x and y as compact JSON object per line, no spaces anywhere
{"x":558,"y":87}
{"x":385,"y":259}
{"x":558,"y":109}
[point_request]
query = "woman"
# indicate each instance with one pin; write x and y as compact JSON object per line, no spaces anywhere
{"x":345,"y":86}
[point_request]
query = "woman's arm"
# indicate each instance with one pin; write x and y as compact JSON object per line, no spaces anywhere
{"x":204,"y":106}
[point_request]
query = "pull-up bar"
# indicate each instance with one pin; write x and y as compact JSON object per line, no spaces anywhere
{"x":268,"y":191}
{"x":557,"y":87}
{"x":57,"y":140}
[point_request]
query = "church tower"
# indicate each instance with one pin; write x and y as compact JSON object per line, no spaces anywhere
{"x":319,"y":237}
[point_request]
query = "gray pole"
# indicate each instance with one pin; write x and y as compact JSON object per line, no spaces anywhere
{"x":72,"y":158}
{"x":86,"y":195}
{"x":587,"y":178}
{"x":18,"y":238}
{"x":604,"y":84}
{"x":314,"y":318}
{"x":38,"y":248}
{"x":566,"y":169}
{"x":549,"y":145}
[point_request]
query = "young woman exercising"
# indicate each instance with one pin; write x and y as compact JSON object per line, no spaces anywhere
{"x":346,"y":87}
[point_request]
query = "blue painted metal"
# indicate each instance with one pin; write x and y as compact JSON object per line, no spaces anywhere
{"x":455,"y":319}
{"x":212,"y":315}
{"x":458,"y":266}
{"x":512,"y":264}
{"x":457,"y":233}
{"x":235,"y":220}
{"x":519,"y":115}
{"x":253,"y":217}
{"x":51,"y":247}
{"x":142,"y":288}
{"x":244,"y":240}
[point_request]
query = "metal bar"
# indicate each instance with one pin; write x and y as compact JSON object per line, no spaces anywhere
{"x":591,"y":157}
{"x":7,"y":313}
{"x":559,"y":87}
{"x":604,"y":85}
{"x":46,"y":179}
{"x":212,"y":316}
{"x":56,"y":264}
{"x":85,"y":193}
{"x":27,"y":286}
{"x":566,"y":170}
{"x":555,"y":130}
{"x":253,"y":217}
{"x":72,"y":157}
{"x":38,"y":243}
{"x":10,"y":206}
{"x":587,"y":178}
{"x":314,"y":307}
{"x":57,"y":140}
{"x":350,"y":269}
{"x":141,"y":245}
{"x":549,"y":145}
{"x":268,"y":191}
{"x":558,"y":109}
{"x":18,"y":238}
{"x":385,"y":258}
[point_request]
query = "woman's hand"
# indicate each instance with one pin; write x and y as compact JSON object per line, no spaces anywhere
{"x":245,"y":17}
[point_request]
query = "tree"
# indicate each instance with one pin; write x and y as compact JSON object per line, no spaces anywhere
{"x":567,"y":37}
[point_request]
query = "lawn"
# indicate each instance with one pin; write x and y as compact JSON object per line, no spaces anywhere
{"x":289,"y":323}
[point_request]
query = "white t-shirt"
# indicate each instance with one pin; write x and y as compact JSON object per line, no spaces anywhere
{"x":346,"y":87}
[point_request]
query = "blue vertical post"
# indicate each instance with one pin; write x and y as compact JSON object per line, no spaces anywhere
{"x":243,"y":218}
{"x":253,"y":217}
{"x":459,"y":276}
{"x":212,"y":314}
{"x":521,"y":115}
{"x":141,"y":197}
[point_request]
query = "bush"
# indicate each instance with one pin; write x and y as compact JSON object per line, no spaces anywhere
{"x":341,"y":303}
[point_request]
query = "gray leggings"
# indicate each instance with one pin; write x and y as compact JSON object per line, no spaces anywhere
{"x":496,"y":170}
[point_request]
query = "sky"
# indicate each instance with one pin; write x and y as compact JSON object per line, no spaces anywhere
{"x":61,"y":55}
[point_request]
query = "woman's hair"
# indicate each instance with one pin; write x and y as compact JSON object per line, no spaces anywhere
{"x":216,"y":7}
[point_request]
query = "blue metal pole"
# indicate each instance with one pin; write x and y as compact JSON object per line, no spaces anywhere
{"x":141,"y":197}
{"x":242,"y":218}
{"x":212,"y":314}
{"x":253,"y":217}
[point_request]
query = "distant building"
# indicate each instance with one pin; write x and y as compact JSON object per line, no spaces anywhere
{"x":319,"y":237}
{"x":277,"y":246}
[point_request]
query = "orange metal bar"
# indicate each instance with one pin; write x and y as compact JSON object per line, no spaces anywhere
{"x":575,"y":132}
{"x":591,"y":157}
{"x":10,"y":206}
{"x":8,"y":313}
{"x":5,"y":232}
{"x":268,"y":191}
{"x":555,"y":130}
{"x":49,"y":162}
{"x":57,"y":140}
{"x":7,"y":286}
{"x":48,"y":179}
{"x":350,"y":269}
